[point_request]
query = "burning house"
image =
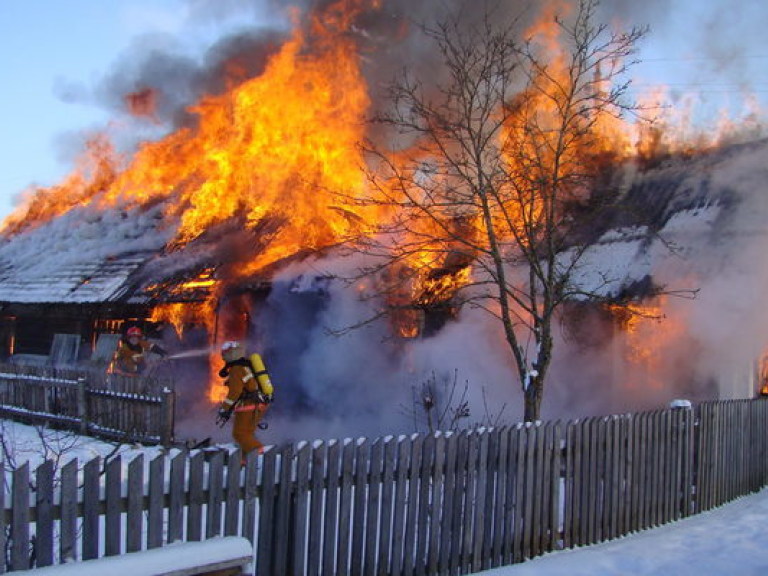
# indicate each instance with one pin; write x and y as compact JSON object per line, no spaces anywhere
{"x":236,"y":223}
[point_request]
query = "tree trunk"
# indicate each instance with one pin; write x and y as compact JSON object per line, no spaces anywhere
{"x":533,"y":398}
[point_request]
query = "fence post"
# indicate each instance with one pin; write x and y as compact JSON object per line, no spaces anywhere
{"x":169,"y":402}
{"x":82,"y":405}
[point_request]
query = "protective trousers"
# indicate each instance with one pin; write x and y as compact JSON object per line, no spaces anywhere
{"x":244,"y":430}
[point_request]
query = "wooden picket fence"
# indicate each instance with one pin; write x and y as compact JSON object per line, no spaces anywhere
{"x":450,"y":504}
{"x":109,"y":406}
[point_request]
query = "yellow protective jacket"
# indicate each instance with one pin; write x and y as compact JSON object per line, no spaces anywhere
{"x":239,"y":379}
{"x":130,"y":359}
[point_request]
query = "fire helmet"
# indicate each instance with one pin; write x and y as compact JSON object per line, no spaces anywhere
{"x":232,"y":350}
{"x":134,"y":331}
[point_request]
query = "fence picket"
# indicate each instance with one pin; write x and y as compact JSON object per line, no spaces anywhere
{"x":283,"y":511}
{"x":387,"y":500}
{"x":345,"y":508}
{"x":196,"y":498}
{"x":267,"y":501}
{"x":3,"y":539}
{"x":135,"y":503}
{"x":412,"y":506}
{"x":215,"y":495}
{"x":500,"y":499}
{"x":44,"y":535}
{"x":360,"y":482}
{"x":320,"y":499}
{"x":425,"y":474}
{"x":20,"y":518}
{"x":372,"y":513}
{"x":91,"y":511}
{"x":233,"y":498}
{"x":176,"y":497}
{"x":300,"y":519}
{"x":68,"y":539}
{"x":449,"y":498}
{"x":332,"y":519}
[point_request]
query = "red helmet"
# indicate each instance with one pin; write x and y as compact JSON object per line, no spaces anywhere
{"x":133,"y":331}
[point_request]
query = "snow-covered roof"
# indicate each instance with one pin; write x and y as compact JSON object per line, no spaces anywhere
{"x":83,"y":256}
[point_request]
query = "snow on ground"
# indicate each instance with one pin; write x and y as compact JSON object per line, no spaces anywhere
{"x":728,"y":541}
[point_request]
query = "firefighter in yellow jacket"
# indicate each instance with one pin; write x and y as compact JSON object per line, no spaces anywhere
{"x":245,"y":397}
{"x":131,"y":355}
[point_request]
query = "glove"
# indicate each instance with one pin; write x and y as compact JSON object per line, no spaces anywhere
{"x":222,"y":416}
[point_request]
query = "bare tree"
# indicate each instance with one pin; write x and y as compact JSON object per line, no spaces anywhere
{"x":491,"y":178}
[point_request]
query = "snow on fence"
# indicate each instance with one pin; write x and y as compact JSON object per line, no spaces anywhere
{"x":110,"y":406}
{"x":451,"y":503}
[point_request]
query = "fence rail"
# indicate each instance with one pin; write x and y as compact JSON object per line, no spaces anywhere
{"x":450,"y":504}
{"x":110,"y":406}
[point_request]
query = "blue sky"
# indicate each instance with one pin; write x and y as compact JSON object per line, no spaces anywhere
{"x":56,"y":54}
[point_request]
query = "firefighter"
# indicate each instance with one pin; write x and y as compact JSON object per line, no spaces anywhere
{"x":131,"y":355}
{"x":245,"y":397}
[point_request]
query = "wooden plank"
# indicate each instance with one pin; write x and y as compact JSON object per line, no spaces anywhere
{"x":531,"y":434}
{"x":470,"y":503}
{"x":587,"y":474}
{"x":20,"y":518}
{"x":215,"y":495}
{"x":618,"y":459}
{"x":135,"y":504}
{"x":537,"y":483}
{"x":44,"y":524}
{"x":400,"y":503}
{"x":436,"y":505}
{"x":196,"y":497}
{"x":668,"y":465}
{"x":571,"y":486}
{"x":251,"y":494}
{"x":412,"y":506}
{"x":360,"y":483}
{"x":422,"y":519}
{"x":346,"y":495}
{"x":500,"y":497}
{"x":596,"y":453}
{"x":320,"y":498}
{"x":591,"y":481}
{"x":643,"y":467}
{"x":114,"y":507}
{"x":385,"y":555}
{"x":283,"y":511}
{"x":176,"y":499}
{"x":232,"y":503}
{"x":300,"y":516}
{"x":3,"y":524}
{"x":155,"y":516}
{"x":91,"y":509}
{"x":479,"y":463}
{"x":555,"y":487}
{"x":332,"y":519}
{"x":486,"y":495}
{"x":629,"y":471}
{"x":68,"y":524}
{"x":372,"y":514}
{"x":267,"y":500}
{"x":449,"y":498}
{"x":521,"y":435}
